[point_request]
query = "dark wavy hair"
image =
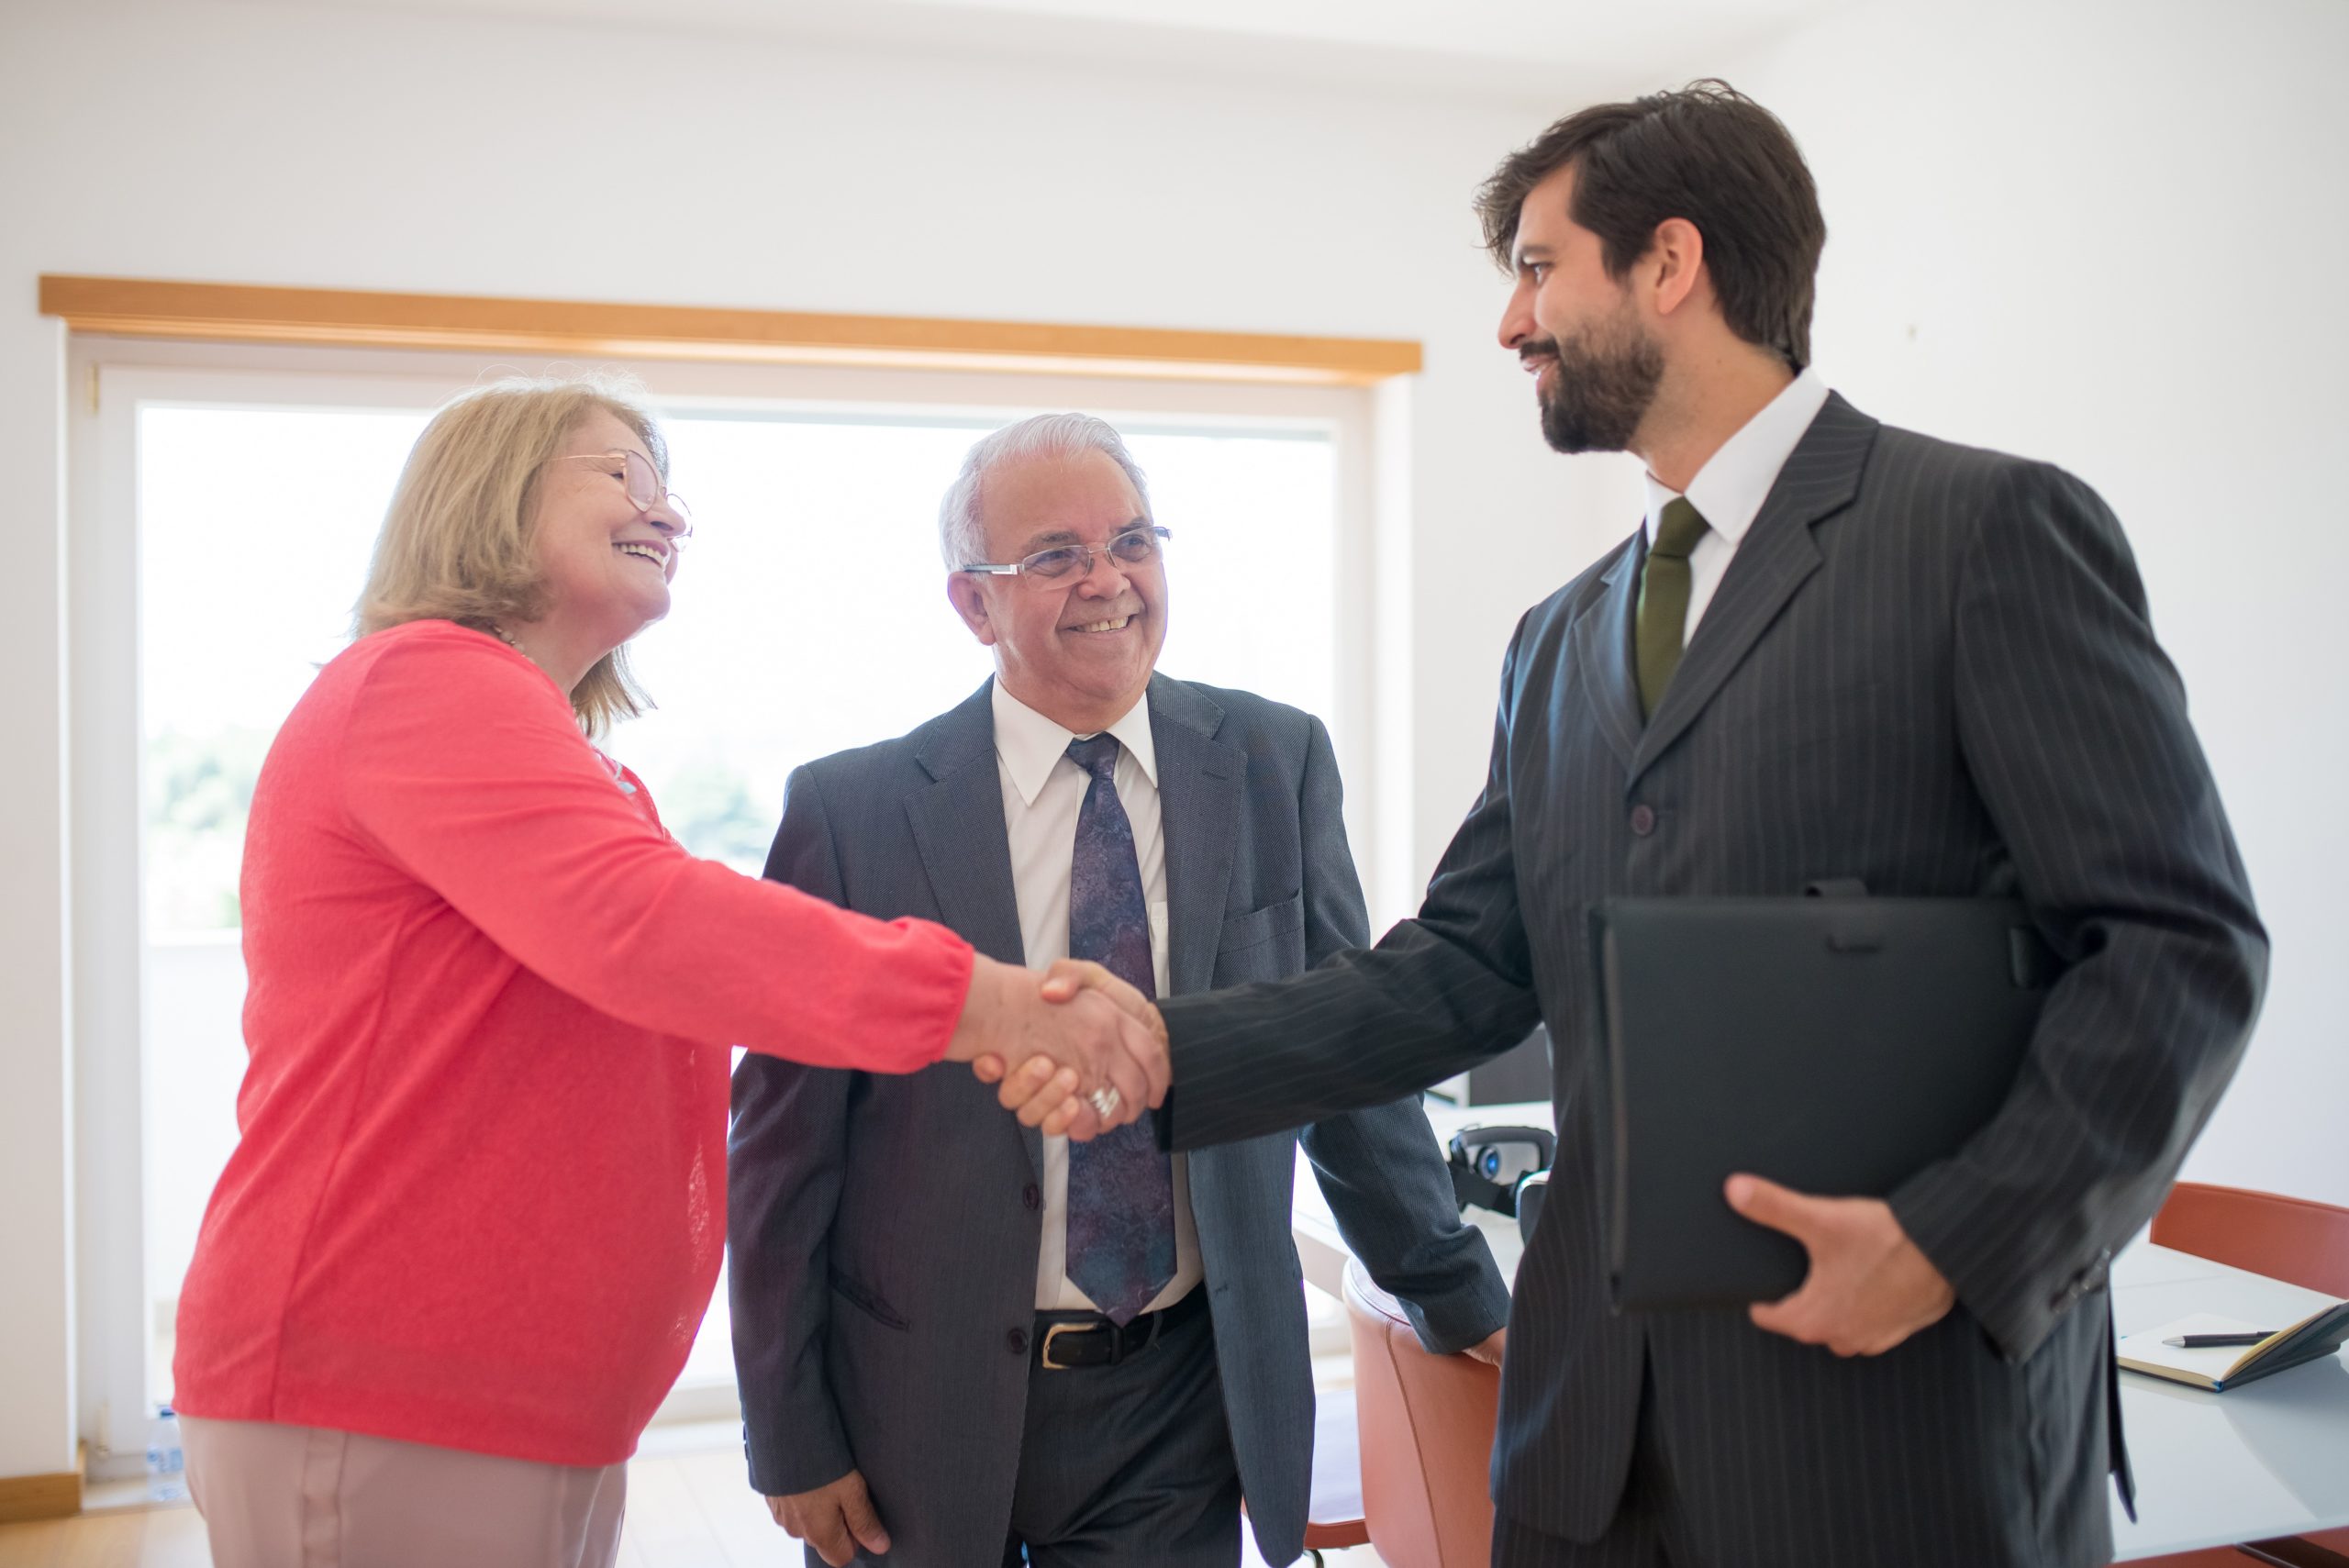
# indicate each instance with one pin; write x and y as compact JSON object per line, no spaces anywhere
{"x":1708,"y":154}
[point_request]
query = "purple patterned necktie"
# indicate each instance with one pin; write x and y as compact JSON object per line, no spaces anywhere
{"x":1120,"y":1187}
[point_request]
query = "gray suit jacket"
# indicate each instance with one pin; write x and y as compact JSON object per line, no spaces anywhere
{"x":1930,"y":669}
{"x":885,"y":1229}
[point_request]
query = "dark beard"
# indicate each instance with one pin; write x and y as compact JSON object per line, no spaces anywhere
{"x":1605,"y":379}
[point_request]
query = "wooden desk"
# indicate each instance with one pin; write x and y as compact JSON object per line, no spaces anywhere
{"x":2265,"y":1460}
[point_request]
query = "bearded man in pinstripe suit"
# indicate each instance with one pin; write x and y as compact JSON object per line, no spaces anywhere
{"x":1834,"y":650}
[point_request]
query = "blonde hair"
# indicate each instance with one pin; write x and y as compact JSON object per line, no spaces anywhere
{"x":456,"y":540}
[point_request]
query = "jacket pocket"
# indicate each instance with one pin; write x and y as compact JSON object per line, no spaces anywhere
{"x":1257,"y":927}
{"x":867,"y":1301}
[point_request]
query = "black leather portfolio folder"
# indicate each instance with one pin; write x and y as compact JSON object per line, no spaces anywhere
{"x":1836,"y":1045}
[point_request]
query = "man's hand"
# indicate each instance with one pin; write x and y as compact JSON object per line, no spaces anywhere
{"x":1869,"y":1288}
{"x":1042,"y":1094}
{"x":1076,"y":1030}
{"x":1070,"y":975}
{"x":1488,"y":1350}
{"x":834,"y":1520}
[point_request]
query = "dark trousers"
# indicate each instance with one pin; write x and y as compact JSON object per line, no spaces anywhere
{"x":1128,"y":1465}
{"x":1643,"y":1533}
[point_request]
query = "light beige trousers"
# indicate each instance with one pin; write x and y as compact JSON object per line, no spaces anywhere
{"x":275,"y":1496}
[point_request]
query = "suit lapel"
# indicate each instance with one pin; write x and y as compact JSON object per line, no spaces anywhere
{"x":957,"y":826}
{"x":1603,"y":654}
{"x":1199,"y":780}
{"x":1778,"y":555}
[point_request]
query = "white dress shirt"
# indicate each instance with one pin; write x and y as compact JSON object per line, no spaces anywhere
{"x":1043,"y":791}
{"x":1727,"y":492}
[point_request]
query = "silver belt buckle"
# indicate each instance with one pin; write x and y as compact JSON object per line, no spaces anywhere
{"x":1044,"y":1356}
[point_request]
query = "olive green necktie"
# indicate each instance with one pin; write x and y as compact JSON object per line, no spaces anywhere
{"x":1664,"y":599}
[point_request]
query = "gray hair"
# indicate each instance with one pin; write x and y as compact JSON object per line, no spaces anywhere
{"x":962,"y":537}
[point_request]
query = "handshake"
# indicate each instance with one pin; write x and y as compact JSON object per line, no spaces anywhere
{"x":1091,"y":1049}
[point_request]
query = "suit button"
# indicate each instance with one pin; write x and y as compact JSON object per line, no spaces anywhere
{"x":1644,"y":819}
{"x":1030,"y":1198}
{"x":1017,"y":1341}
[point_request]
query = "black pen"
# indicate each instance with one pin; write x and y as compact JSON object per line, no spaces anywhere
{"x":2199,"y":1341}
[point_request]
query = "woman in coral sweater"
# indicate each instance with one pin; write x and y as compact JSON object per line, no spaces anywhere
{"x":475,"y":1215}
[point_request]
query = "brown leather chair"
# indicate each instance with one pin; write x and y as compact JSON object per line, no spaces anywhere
{"x":1426,"y":1424}
{"x":2289,"y":1239}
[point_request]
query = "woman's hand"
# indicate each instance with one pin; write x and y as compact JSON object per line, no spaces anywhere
{"x":1077,"y":1032}
{"x":1045,"y":1094}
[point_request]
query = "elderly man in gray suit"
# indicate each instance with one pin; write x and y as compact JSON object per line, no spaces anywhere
{"x":960,"y":1342}
{"x":1833,"y":649}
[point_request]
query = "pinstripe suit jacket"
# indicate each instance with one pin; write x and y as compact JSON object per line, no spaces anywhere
{"x":885,"y":1229}
{"x":1929,"y":668}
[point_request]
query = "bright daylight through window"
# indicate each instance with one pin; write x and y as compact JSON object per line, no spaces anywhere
{"x":810,"y":615}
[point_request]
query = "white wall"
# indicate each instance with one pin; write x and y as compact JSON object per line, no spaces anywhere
{"x":35,"y":1098}
{"x":257,"y":143}
{"x":2109,"y":235}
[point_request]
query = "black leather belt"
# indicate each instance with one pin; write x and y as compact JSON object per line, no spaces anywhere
{"x":1066,"y":1342}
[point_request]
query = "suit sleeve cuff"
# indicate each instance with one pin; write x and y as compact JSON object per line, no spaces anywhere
{"x":1984,"y":1252}
{"x":1465,"y":1318}
{"x":795,"y":1450}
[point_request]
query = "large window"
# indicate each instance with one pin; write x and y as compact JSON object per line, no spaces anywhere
{"x":809,"y":616}
{"x":810,"y":613}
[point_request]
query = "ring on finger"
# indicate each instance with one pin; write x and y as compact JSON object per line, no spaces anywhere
{"x":1105,"y":1101}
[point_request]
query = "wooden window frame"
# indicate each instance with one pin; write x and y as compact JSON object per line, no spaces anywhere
{"x":246,"y":313}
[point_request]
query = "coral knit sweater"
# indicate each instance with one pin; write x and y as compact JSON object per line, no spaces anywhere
{"x":479,"y":1197}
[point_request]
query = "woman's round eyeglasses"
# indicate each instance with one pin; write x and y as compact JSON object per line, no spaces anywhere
{"x":643,"y":485}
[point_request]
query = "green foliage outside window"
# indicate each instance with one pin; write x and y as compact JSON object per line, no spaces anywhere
{"x":199,"y":791}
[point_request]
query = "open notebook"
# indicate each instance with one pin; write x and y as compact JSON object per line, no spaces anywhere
{"x":2221,"y":1367}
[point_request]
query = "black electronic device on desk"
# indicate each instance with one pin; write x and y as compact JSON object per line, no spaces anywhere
{"x":1505,"y":1169}
{"x":1517,"y":1074}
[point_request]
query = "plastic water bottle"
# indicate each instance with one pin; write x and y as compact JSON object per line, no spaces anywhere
{"x":166,"y":1463}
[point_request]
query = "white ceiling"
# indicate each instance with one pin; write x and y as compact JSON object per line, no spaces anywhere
{"x":1536,"y":51}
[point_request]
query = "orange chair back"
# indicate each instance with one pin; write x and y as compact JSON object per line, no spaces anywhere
{"x":1426,"y":1423}
{"x":2295,"y":1240}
